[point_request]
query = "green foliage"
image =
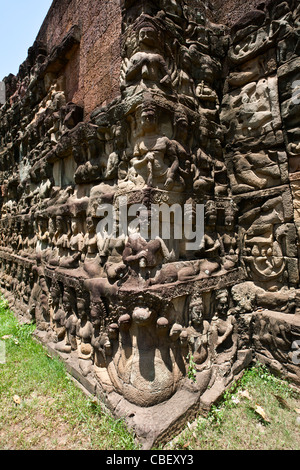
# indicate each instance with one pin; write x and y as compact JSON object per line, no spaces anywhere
{"x":9,"y":325}
{"x":260,"y":373}
{"x":258,"y":412}
{"x":49,"y":399}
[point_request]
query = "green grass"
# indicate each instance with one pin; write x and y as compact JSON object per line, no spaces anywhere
{"x":260,"y":412}
{"x":41,"y":408}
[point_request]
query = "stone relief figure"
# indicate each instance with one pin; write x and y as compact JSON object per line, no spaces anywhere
{"x":117,"y":153}
{"x":89,"y":153}
{"x":182,"y":166}
{"x":252,"y":111}
{"x":244,"y":298}
{"x":71,"y":319}
{"x":60,"y":241}
{"x":154,"y":162}
{"x":209,"y":254}
{"x":229,"y":240}
{"x":18,"y":285}
{"x":75,"y":245}
{"x":254,"y":171}
{"x":84,"y":334}
{"x":260,"y":219}
{"x":28,"y":290}
{"x":183,"y":82}
{"x":264,"y":255}
{"x":202,"y":170}
{"x":9,"y":279}
{"x":146,"y":355}
{"x":91,"y":258}
{"x":57,"y":315}
{"x":210,"y":248}
{"x":147,"y":67}
{"x":21,"y":247}
{"x":249,"y":47}
{"x":223,"y":329}
{"x":171,"y":7}
{"x":38,"y":308}
{"x":145,"y":258}
{"x":267,"y":261}
{"x":200,"y":336}
{"x":209,"y":100}
{"x":51,"y":230}
{"x":42,"y":236}
{"x":206,"y":72}
{"x":273,"y":339}
{"x":100,"y":339}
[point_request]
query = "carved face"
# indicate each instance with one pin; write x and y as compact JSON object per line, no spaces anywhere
{"x":95,"y":315}
{"x":148,"y":120}
{"x":90,"y":224}
{"x":197,"y":311}
{"x":211,"y":217}
{"x":229,"y":220}
{"x":74,"y":225}
{"x":148,"y":36}
{"x":222,"y":302}
{"x":67,"y":302}
{"x":81,"y":308}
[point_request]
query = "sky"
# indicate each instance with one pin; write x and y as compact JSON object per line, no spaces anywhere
{"x":20,"y":21}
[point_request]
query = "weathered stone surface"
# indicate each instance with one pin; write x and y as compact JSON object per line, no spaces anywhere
{"x":127,"y":106}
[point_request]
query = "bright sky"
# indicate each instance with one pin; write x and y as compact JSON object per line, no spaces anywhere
{"x":20,"y":21}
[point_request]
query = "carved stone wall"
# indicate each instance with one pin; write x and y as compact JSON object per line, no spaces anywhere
{"x":203,"y":115}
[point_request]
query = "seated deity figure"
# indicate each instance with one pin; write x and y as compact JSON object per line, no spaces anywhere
{"x":51,"y":231}
{"x":145,"y":257}
{"x":209,"y":252}
{"x":155,"y":160}
{"x":202,"y":170}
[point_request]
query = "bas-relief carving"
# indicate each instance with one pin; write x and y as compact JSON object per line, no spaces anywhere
{"x":252,"y":112}
{"x":257,"y":170}
{"x":129,"y":312}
